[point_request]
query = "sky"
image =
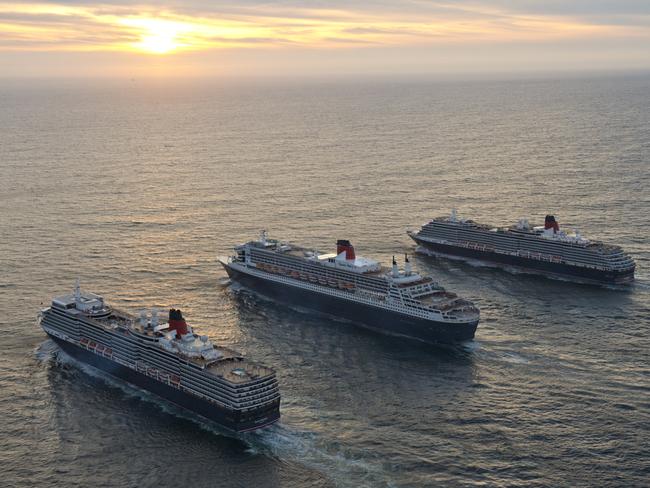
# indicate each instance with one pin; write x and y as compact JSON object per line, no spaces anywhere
{"x":290,"y":38}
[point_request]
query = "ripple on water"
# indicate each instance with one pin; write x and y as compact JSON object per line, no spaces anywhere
{"x":137,"y":189}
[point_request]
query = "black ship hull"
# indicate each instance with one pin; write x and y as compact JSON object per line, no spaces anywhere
{"x":380,"y":320}
{"x":231,"y":420}
{"x":533,"y":266}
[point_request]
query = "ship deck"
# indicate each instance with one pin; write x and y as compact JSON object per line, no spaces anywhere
{"x":231,"y":365}
{"x":305,"y":253}
{"x":236,"y":369}
{"x":514,"y":230}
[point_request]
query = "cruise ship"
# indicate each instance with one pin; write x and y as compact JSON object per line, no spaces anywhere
{"x":390,"y":300}
{"x":165,"y":357}
{"x":535,"y":249}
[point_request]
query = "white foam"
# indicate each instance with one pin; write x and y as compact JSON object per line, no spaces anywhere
{"x":305,"y":447}
{"x":514,"y":358}
{"x":46,"y":351}
{"x":224,"y":282}
{"x":471,"y":346}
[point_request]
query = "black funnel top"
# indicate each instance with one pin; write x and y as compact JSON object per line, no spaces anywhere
{"x":175,"y":314}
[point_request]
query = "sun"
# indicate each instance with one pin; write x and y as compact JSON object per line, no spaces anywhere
{"x":159,"y":43}
{"x":157,"y":36}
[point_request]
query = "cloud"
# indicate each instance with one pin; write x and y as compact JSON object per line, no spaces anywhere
{"x":318,"y":24}
{"x":203,"y":29}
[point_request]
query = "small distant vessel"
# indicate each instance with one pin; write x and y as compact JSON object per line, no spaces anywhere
{"x":542,"y":249}
{"x":389,"y":300}
{"x":166,"y":358}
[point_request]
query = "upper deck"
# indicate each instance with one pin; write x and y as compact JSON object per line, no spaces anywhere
{"x":194,"y":349}
{"x":523,"y":229}
{"x":360,"y":264}
{"x":345,"y":260}
{"x":228,"y":363}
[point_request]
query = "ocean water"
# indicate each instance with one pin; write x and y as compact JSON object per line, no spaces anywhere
{"x":137,"y":187}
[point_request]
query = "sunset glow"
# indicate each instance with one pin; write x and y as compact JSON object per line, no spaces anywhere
{"x":158,"y":36}
{"x":284,"y":27}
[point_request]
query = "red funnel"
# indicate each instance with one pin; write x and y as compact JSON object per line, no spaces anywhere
{"x":177,"y":322}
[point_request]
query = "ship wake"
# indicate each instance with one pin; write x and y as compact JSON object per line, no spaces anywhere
{"x":344,"y":468}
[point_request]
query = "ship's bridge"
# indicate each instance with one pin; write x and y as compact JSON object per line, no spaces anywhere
{"x":403,"y":279}
{"x":85,"y":302}
{"x":406,"y":277}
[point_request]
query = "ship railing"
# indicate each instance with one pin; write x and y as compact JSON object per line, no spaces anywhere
{"x":96,"y":347}
{"x":539,"y":256}
{"x":475,"y":246}
{"x":391,"y":303}
{"x":176,"y":382}
{"x":558,"y":259}
{"x":234,"y":405}
{"x":160,"y":375}
{"x":305,"y":276}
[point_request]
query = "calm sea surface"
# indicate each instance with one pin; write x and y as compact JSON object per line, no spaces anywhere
{"x":137,"y":187}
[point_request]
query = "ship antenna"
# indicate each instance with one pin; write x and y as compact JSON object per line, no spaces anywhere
{"x":395,"y":269}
